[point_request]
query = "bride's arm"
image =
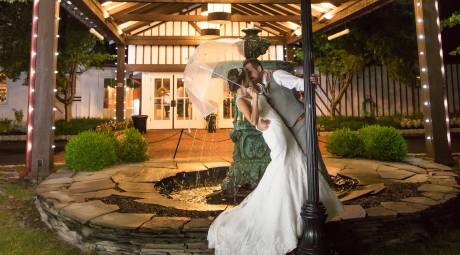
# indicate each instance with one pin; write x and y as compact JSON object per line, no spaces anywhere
{"x":249,"y":111}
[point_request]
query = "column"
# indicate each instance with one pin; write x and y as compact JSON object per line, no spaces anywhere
{"x":289,"y":53}
{"x":433,"y":94}
{"x":42,"y":83}
{"x":120,"y":99}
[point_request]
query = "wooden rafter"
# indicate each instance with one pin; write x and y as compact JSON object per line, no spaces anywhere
{"x":345,"y":13}
{"x":196,"y":18}
{"x":94,"y":10}
{"x":247,"y":10}
{"x":335,"y":2}
{"x":186,"y":40}
{"x":133,"y":8}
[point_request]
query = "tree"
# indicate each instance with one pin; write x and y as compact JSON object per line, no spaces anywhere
{"x":373,"y":39}
{"x":340,"y":63}
{"x":78,"y":51}
{"x":15,"y":27}
{"x":451,"y":22}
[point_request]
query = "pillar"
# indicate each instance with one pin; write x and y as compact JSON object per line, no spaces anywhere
{"x":289,"y":51}
{"x":313,"y":212}
{"x":42,"y":84}
{"x":433,"y":96}
{"x":120,"y":98}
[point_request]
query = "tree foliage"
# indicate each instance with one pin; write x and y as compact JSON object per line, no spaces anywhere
{"x":15,"y":27}
{"x":78,"y":51}
{"x":373,"y":39}
{"x":452,"y":21}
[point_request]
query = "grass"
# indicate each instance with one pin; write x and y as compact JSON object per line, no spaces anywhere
{"x":22,"y":231}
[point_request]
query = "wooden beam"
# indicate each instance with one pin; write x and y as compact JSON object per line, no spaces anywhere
{"x":156,"y":68}
{"x":196,"y":27}
{"x":42,"y":82}
{"x":120,"y":96}
{"x":335,"y":2}
{"x":197,"y":18}
{"x":433,"y":92}
{"x":185,"y":40}
{"x":218,"y":1}
{"x":93,"y":9}
{"x":343,"y":14}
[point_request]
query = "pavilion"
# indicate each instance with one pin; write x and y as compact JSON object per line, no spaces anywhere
{"x":159,"y":35}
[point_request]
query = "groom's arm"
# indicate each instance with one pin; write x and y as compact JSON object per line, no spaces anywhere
{"x":290,"y":81}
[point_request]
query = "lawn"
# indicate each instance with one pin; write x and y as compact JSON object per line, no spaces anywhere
{"x":22,"y":232}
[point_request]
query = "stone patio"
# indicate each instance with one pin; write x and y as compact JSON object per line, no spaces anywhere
{"x":70,"y":203}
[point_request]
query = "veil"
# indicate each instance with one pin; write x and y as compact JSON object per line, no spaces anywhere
{"x":210,"y":62}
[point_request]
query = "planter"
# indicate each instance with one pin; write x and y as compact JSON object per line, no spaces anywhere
{"x":140,"y":122}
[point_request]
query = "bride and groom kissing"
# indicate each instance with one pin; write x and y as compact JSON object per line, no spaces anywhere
{"x":268,"y":221}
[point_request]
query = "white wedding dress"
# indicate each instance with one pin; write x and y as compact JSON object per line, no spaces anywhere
{"x":268,"y":221}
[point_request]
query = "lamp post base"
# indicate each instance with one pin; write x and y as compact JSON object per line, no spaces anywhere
{"x":313,"y":241}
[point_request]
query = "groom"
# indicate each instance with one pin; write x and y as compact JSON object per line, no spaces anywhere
{"x":279,"y":86}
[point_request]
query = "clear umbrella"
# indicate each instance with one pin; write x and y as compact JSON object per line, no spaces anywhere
{"x":207,"y":67}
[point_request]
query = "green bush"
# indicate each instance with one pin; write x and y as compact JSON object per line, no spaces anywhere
{"x":383,"y":143}
{"x":355,"y":123}
{"x":75,"y":126}
{"x":132,"y":146}
{"x":344,"y":142}
{"x":5,"y":125}
{"x":114,"y":125}
{"x":91,"y":150}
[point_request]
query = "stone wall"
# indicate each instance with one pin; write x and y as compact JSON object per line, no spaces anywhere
{"x":188,"y":238}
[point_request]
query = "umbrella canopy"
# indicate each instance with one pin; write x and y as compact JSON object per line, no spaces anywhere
{"x":210,"y":61}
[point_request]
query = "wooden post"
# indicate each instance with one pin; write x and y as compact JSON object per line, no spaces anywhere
{"x":42,"y":83}
{"x":120,"y":103}
{"x":289,"y":49}
{"x":435,"y":112}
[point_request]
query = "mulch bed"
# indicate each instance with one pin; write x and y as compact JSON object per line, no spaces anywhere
{"x":392,"y":192}
{"x":129,"y":205}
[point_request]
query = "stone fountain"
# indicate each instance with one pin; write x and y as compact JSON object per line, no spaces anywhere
{"x":251,"y":155}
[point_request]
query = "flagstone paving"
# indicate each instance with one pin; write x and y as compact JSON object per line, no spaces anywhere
{"x":66,"y":199}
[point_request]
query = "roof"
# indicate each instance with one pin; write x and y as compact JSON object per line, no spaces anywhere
{"x":121,"y":19}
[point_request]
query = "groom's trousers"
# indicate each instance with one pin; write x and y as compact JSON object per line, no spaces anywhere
{"x":300,"y":132}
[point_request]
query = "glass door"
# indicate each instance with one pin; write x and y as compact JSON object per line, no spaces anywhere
{"x":184,"y":116}
{"x":157,"y":95}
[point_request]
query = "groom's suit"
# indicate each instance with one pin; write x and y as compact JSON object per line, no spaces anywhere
{"x":280,"y":85}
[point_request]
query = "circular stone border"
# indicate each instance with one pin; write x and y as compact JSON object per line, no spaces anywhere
{"x":95,"y":226}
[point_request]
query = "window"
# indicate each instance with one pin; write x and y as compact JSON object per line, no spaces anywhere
{"x":109,"y":92}
{"x":3,"y":89}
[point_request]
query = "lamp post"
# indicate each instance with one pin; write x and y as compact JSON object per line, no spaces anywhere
{"x":313,"y":212}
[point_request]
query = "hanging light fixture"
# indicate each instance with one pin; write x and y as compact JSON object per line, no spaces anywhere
{"x":219,"y":13}
{"x":209,"y":29}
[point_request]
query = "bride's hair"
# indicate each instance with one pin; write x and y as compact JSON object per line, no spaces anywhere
{"x":236,"y":75}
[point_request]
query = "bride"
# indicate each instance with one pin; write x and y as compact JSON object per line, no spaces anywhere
{"x":268,"y":221}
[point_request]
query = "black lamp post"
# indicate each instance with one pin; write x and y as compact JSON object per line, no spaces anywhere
{"x":313,"y":212}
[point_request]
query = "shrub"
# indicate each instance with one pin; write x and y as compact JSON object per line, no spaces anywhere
{"x":132,"y":146}
{"x":91,"y":150}
{"x":345,"y":143}
{"x":5,"y":125}
{"x":75,"y":126}
{"x":383,"y":143}
{"x":114,"y":125}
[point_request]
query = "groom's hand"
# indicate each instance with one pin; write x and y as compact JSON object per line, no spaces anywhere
{"x":263,"y":124}
{"x":314,"y":79}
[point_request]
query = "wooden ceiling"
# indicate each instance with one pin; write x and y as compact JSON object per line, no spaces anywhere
{"x":124,"y":18}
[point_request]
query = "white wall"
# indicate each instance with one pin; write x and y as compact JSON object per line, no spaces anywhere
{"x":16,"y":98}
{"x":90,"y":86}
